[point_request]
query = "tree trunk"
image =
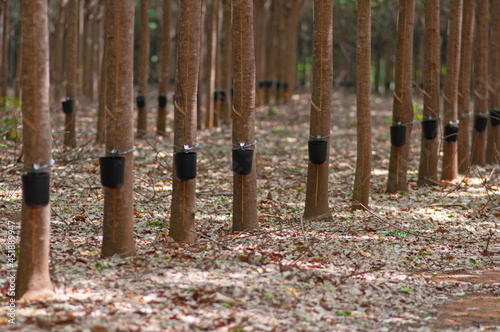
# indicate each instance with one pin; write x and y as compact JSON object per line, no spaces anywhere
{"x":429,"y":148}
{"x":58,"y":53}
{"x":5,"y":47}
{"x":142,"y":119}
{"x":118,"y":227}
{"x":402,"y":109}
{"x":210,"y":63}
{"x":71,"y":73}
{"x":217,"y":67}
{"x":226,"y":62}
{"x":272,"y":27}
{"x":182,"y":220}
{"x":493,"y":145}
{"x":480,"y":80}
{"x":260,"y":38}
{"x":33,"y":279}
{"x":361,"y":193}
{"x":17,"y":80}
{"x":464,"y":100}
{"x":161,"y":121}
{"x":245,"y":186}
{"x":101,"y":110}
{"x":316,"y":206}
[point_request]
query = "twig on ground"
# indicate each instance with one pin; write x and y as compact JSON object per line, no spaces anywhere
{"x":221,"y":245}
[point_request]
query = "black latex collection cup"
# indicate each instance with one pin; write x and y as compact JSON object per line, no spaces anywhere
{"x":162,"y":101}
{"x":112,"y":171}
{"x":495,"y":117}
{"x":216,"y":95}
{"x":67,"y":106}
{"x":36,"y":189}
{"x":222,"y":96}
{"x":141,"y":101}
{"x":430,"y":129}
{"x":480,"y":123}
{"x":185,"y":165}
{"x":450,"y":133}
{"x":317,"y":151}
{"x":242,"y":161}
{"x":398,"y":135}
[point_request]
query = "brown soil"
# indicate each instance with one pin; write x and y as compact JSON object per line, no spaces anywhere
{"x":471,"y":309}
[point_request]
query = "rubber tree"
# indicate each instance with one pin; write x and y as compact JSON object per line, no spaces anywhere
{"x":480,"y":83}
{"x":71,"y":72}
{"x":361,"y":193}
{"x":226,"y":62}
{"x":58,"y":34}
{"x":101,"y":108}
{"x":464,"y":84}
{"x":5,"y":47}
{"x":493,"y":141}
{"x":182,"y":219}
{"x":161,"y":122}
{"x":118,"y":228}
{"x":33,"y":279}
{"x":450,"y":92}
{"x":429,"y":147}
{"x":211,"y":41}
{"x":244,"y":186}
{"x":142,"y":119}
{"x":402,"y":108}
{"x":316,"y":205}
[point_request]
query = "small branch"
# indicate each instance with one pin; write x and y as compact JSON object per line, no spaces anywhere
{"x":221,"y":245}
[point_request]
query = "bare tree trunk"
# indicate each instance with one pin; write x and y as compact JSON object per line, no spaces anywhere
{"x":5,"y":47}
{"x":260,"y":38}
{"x":17,"y":80}
{"x":161,"y":121}
{"x":118,"y":226}
{"x":480,"y":80}
{"x":80,"y":49}
{"x":226,"y":63}
{"x":272,"y":27}
{"x":429,"y":147}
{"x":71,"y":73}
{"x":316,"y":206}
{"x":58,"y":53}
{"x":182,"y":220}
{"x":493,"y":145}
{"x":217,"y":101}
{"x":244,"y":186}
{"x":33,"y":279}
{"x":402,"y":109}
{"x":142,"y":120}
{"x":210,"y":63}
{"x":361,"y":193}
{"x":464,"y":100}
{"x":101,"y":109}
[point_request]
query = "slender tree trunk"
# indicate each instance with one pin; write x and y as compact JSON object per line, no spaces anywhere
{"x":272,"y":27}
{"x":361,"y":192}
{"x":79,"y":58}
{"x":118,"y":226}
{"x":464,"y":100}
{"x":17,"y":80}
{"x":245,"y":186}
{"x":480,"y":80}
{"x":402,"y":109}
{"x":260,"y":38}
{"x":182,"y":220}
{"x":5,"y":47}
{"x":33,"y":279}
{"x":217,"y":86}
{"x":388,"y":65}
{"x":429,"y":148}
{"x":493,"y":145}
{"x":210,"y":61}
{"x":142,"y":120}
{"x":161,"y":121}
{"x":376,"y":79}
{"x":101,"y":110}
{"x":58,"y":53}
{"x":316,"y":206}
{"x":87,"y":59}
{"x":71,"y":73}
{"x":226,"y":62}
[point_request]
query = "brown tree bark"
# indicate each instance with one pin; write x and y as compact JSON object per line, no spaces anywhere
{"x":118,"y":226}
{"x":450,"y":92}
{"x":272,"y":27}
{"x":161,"y":121}
{"x":480,"y":83}
{"x":182,"y":219}
{"x":101,"y":108}
{"x":142,"y":119}
{"x":57,"y":76}
{"x":33,"y":279}
{"x":493,"y":141}
{"x":361,"y":193}
{"x":260,"y":38}
{"x":402,"y":109}
{"x":17,"y":80}
{"x":217,"y":86}
{"x":244,"y":186}
{"x":210,"y":63}
{"x":316,"y":206}
{"x":464,"y":96}
{"x":226,"y":62}
{"x":71,"y":73}
{"x":429,"y":148}
{"x":5,"y":47}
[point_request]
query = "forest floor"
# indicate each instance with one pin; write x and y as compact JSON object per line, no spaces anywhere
{"x":424,"y":260}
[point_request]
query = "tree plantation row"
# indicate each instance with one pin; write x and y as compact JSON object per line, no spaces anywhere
{"x":249,"y":38}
